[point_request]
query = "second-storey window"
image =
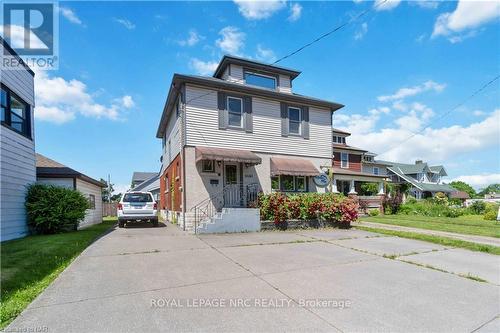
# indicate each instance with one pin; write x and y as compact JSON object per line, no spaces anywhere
{"x":294,"y":120}
{"x":235,"y":111}
{"x":375,"y":171}
{"x":344,"y":160}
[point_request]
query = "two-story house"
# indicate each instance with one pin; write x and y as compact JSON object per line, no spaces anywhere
{"x":424,"y":180}
{"x":240,"y":131}
{"x":17,"y":147}
{"x":353,"y":166}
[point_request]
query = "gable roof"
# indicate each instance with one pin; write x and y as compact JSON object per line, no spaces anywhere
{"x":149,"y":185}
{"x":139,"y":176}
{"x":229,"y":59}
{"x":48,"y":168}
{"x":215,"y":83}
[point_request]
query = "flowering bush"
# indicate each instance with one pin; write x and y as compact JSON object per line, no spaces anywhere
{"x":331,"y":208}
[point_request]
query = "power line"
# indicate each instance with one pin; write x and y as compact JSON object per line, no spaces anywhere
{"x":343,"y":25}
{"x":475,"y":93}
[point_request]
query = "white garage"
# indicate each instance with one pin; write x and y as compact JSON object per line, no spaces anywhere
{"x":51,"y":172}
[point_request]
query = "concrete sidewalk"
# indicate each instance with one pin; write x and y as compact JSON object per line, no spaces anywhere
{"x":468,"y":238}
{"x":163,"y":280}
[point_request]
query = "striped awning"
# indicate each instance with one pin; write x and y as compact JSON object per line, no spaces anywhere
{"x":292,"y":167}
{"x":228,"y":155}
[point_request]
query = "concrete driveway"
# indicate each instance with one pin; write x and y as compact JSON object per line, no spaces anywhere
{"x":161,"y":279}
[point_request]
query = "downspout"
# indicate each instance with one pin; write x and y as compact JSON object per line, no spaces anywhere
{"x":183,"y":154}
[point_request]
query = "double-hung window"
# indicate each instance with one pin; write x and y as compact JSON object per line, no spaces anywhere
{"x":294,"y":121}
{"x":235,"y":111}
{"x":14,"y":112}
{"x":375,"y":171}
{"x":344,"y":160}
{"x":260,"y":80}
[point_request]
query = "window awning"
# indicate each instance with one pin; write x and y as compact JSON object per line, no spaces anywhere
{"x":292,"y":167}
{"x":228,"y":155}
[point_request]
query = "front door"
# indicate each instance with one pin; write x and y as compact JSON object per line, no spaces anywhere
{"x":232,"y":191}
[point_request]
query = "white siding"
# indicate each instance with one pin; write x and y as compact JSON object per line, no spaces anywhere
{"x":236,"y":74}
{"x":368,"y":168}
{"x":92,"y":216}
{"x":202,"y":128}
{"x":173,"y":134}
{"x":62,"y":182}
{"x":285,"y":84}
{"x":17,"y":160}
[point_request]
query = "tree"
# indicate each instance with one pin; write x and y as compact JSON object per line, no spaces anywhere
{"x":495,"y":188}
{"x":116,"y":197}
{"x":105,"y":191}
{"x":464,"y":187}
{"x":369,"y":189}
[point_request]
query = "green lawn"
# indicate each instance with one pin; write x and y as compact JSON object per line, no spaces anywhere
{"x":437,"y":239}
{"x":467,"y":224}
{"x":30,"y":264}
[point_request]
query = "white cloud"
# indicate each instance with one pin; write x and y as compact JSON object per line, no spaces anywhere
{"x":426,"y":4}
{"x":17,"y":37}
{"x":232,"y":40}
{"x":412,"y":91}
{"x":468,"y":15}
{"x":434,"y":144}
{"x":266,"y":55}
{"x":389,"y":5}
{"x":70,"y":15}
{"x":203,"y":67}
{"x":126,"y":23}
{"x":295,"y":12}
{"x":478,"y":113}
{"x":59,"y":101}
{"x":479,"y":181}
{"x":259,"y":9}
{"x":193,"y":39}
{"x":361,"y":32}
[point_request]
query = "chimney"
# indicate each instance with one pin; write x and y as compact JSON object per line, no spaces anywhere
{"x":418,"y":162}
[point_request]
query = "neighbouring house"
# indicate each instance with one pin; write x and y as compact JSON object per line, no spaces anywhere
{"x":424,"y":180}
{"x":139,"y":177}
{"x":17,"y":146}
{"x":354,"y":166}
{"x":54,"y":173}
{"x":150,"y":185}
{"x":241,"y":131}
{"x":460,"y":195}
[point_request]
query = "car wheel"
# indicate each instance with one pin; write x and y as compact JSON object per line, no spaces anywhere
{"x":121,"y":224}
{"x":155,"y":223}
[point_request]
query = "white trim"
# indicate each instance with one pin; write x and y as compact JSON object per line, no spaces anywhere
{"x":341,"y":160}
{"x":300,"y":120}
{"x":228,"y":111}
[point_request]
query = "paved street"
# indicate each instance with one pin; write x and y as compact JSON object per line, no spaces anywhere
{"x":161,"y":279}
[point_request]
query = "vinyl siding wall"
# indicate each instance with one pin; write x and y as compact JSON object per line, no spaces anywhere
{"x":17,"y":160}
{"x":173,"y":134}
{"x":368,"y":168}
{"x":202,"y":128}
{"x":92,"y":216}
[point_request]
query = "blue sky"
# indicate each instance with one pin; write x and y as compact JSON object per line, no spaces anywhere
{"x":397,"y":70}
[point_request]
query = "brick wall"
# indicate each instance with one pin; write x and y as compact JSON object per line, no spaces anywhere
{"x":173,"y":173}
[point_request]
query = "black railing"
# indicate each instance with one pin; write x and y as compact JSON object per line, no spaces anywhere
{"x":231,"y":196}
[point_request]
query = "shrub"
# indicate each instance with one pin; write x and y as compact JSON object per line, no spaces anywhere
{"x":392,"y":204}
{"x":478,"y":207}
{"x":441,"y":199}
{"x":52,"y":209}
{"x":430,"y":207}
{"x":491,"y":212}
{"x":373,"y":212}
{"x":334,"y":209}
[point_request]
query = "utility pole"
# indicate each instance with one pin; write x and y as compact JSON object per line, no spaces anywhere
{"x":109,"y":188}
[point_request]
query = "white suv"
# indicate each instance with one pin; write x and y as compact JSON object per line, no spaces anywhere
{"x":137,"y":206}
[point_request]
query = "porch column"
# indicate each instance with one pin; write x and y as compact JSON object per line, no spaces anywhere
{"x":381,"y":188}
{"x":334,"y":185}
{"x":352,"y":189}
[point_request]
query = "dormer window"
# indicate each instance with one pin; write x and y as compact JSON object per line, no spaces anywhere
{"x":260,"y":80}
{"x":339,"y":139}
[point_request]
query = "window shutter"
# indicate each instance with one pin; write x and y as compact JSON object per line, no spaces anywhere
{"x":284,"y":119}
{"x":247,"y":108}
{"x":221,"y":104}
{"x":305,"y":122}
